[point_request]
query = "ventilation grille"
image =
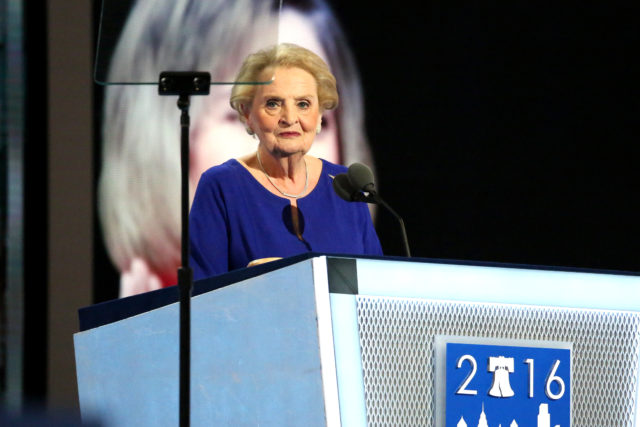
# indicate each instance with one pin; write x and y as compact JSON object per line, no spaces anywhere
{"x":397,"y":343}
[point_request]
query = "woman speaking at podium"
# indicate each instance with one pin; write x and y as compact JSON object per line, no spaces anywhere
{"x":278,"y":201}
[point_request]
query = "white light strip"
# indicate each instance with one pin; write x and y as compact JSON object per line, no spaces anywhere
{"x":325,"y":338}
{"x":499,"y":285}
{"x":348,"y":360}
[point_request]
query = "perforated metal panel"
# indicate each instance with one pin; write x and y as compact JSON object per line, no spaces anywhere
{"x":397,"y":344}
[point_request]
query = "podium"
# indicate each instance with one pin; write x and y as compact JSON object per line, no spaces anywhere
{"x":319,"y":340}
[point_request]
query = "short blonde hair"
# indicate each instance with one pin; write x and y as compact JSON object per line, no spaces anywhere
{"x":283,"y":55}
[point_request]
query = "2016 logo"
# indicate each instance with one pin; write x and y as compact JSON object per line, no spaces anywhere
{"x":507,"y":385}
{"x":501,"y":387}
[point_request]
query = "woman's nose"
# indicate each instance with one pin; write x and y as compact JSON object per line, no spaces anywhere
{"x":288,"y":116}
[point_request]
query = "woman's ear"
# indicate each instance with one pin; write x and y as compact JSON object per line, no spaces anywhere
{"x":319,"y":126}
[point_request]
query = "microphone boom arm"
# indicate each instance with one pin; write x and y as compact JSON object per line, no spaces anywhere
{"x":405,"y":241}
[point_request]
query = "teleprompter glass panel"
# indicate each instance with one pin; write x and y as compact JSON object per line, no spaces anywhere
{"x":139,"y":39}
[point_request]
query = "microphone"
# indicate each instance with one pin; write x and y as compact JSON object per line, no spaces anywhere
{"x":361,"y":177}
{"x":345,"y":190}
{"x":357,"y":185}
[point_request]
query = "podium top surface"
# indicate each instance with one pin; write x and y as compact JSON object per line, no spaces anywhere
{"x":416,"y":278}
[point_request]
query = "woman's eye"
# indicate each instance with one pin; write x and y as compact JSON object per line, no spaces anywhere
{"x":272,"y":103}
{"x":304,"y":104}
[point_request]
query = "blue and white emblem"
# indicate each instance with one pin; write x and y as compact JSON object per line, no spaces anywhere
{"x":483,"y":383}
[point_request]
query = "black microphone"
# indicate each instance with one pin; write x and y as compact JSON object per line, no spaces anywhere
{"x":361,"y":177}
{"x":357,"y":185}
{"x":349,"y":186}
{"x":345,"y":190}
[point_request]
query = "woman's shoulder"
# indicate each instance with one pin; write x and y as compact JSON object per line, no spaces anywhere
{"x":332,"y":169}
{"x":223,"y":178}
{"x":222,"y":171}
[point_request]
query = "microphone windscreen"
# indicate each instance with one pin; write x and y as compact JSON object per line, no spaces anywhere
{"x":342,"y":187}
{"x":360,"y":177}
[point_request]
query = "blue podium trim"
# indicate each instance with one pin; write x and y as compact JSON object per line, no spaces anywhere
{"x":111,"y":311}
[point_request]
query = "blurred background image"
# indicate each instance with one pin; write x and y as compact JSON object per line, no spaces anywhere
{"x":140,"y":165}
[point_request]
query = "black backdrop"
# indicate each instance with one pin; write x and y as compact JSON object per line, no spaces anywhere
{"x":501,"y":132}
{"x":505,"y":132}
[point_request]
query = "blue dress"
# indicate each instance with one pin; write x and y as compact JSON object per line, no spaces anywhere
{"x":235,"y":220}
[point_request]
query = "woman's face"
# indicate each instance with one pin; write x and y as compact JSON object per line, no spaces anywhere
{"x":218,"y":135}
{"x":285,"y":114}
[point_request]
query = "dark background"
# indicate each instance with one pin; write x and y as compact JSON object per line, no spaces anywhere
{"x":502,"y":132}
{"x":505,"y":132}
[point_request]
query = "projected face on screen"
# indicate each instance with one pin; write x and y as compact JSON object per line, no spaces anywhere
{"x":139,"y":188}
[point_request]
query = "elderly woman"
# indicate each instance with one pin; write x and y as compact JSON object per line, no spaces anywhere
{"x":278,"y":201}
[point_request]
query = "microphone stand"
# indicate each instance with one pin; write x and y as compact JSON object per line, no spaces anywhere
{"x":353,"y":190}
{"x":184,"y":84}
{"x":405,"y":240}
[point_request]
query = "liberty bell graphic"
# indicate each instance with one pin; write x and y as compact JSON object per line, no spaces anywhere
{"x":501,"y":367}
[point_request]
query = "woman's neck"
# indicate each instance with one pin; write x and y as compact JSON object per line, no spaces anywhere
{"x":288,"y":175}
{"x":283,"y":167}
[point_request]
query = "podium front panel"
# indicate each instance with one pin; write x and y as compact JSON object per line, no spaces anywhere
{"x":255,"y":358}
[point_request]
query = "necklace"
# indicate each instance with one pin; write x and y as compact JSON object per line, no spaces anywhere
{"x":293,"y":196}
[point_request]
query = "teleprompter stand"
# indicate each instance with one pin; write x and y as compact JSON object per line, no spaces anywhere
{"x":184,"y":84}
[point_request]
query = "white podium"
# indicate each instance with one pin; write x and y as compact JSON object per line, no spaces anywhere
{"x":330,"y":340}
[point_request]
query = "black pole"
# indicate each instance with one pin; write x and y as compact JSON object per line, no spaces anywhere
{"x":184,"y":84}
{"x":185,"y":275}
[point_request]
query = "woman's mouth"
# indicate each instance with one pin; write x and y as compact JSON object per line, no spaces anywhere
{"x":288,"y":134}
